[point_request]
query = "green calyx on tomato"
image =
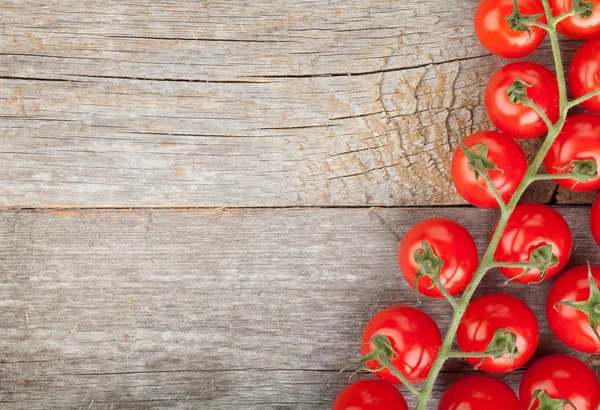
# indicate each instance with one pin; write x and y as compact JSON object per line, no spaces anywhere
{"x":582,"y":170}
{"x":478,"y":160}
{"x":382,"y":351}
{"x":520,"y":22}
{"x":430,"y":265}
{"x":590,"y":307}
{"x":583,"y":9}
{"x":517,"y":92}
{"x":502,"y":346}
{"x":542,"y":259}
{"x":548,"y":403}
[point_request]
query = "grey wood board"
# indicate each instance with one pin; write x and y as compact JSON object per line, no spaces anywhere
{"x":264,"y":103}
{"x":219,"y":309}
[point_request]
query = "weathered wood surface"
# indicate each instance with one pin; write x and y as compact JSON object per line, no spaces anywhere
{"x":237,"y":103}
{"x":219,"y":309}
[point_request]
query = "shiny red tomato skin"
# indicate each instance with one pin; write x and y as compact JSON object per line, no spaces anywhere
{"x":452,"y":243}
{"x":584,"y":73}
{"x":562,"y":377}
{"x":489,"y":313}
{"x":529,"y":227}
{"x":570,"y":325}
{"x":370,"y":395}
{"x":581,"y":29}
{"x":495,"y":34}
{"x":578,"y":140}
{"x":516,"y":120}
{"x":479,"y":391}
{"x":595,"y":220}
{"x":505,"y":153}
{"x":414,"y":336}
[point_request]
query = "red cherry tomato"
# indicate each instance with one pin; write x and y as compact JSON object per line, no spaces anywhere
{"x":479,"y":391}
{"x":495,"y":33}
{"x":414,"y":336}
{"x":570,"y":325}
{"x":582,"y":29}
{"x":451,"y":242}
{"x":370,"y":395}
{"x":579,"y":140}
{"x":529,"y":227}
{"x":505,"y":153}
{"x":561,"y":377}
{"x":484,"y":316}
{"x":584,"y":73}
{"x":595,"y":220}
{"x":517,"y":120}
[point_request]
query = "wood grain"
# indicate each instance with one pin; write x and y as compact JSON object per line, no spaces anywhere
{"x":263,"y":103}
{"x":220,"y":309}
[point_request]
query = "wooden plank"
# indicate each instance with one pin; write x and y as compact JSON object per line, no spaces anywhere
{"x":267,"y":103}
{"x":220,"y":309}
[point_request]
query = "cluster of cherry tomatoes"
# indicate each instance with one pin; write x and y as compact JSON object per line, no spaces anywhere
{"x":446,"y":247}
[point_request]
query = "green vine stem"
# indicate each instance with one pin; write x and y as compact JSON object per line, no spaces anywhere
{"x":487,"y":262}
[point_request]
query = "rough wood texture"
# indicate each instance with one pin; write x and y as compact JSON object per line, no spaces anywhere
{"x":219,"y":309}
{"x":263,"y":103}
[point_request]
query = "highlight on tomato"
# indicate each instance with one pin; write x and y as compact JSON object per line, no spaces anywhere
{"x":370,"y":395}
{"x":516,"y":119}
{"x":584,"y":74}
{"x":595,"y":220}
{"x":573,"y":308}
{"x":411,"y":334}
{"x":577,"y":150}
{"x":538,"y":234}
{"x":559,"y":382}
{"x":574,"y":27}
{"x":479,"y":391}
{"x":494,"y":31}
{"x":501,"y":325}
{"x":503,"y":159}
{"x":438,"y":252}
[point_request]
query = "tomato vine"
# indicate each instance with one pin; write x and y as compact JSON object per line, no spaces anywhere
{"x":481,"y":161}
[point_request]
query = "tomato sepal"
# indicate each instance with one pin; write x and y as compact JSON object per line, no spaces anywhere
{"x":517,"y":92}
{"x":430,"y":265}
{"x":590,"y":307}
{"x":583,"y":9}
{"x":502,"y":346}
{"x":581,"y":170}
{"x":520,"y":22}
{"x":479,"y":162}
{"x":542,"y":259}
{"x":545,"y":402}
{"x":383,"y":352}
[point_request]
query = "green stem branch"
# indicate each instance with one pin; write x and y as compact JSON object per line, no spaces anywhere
{"x":451,"y":299}
{"x":583,"y":99}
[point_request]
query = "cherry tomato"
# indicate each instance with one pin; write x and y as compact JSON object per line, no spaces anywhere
{"x":505,"y":153}
{"x":414,"y":336}
{"x":570,"y":325}
{"x":450,"y":242}
{"x":584,"y":73}
{"x":517,"y":120}
{"x":495,"y":33}
{"x":479,"y":391}
{"x":529,"y":227}
{"x":561,"y":377}
{"x":370,"y":395}
{"x":489,"y":313}
{"x":582,"y":29}
{"x":579,"y":140}
{"x":595,"y":220}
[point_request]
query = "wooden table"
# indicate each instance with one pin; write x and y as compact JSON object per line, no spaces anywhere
{"x":202,"y":201}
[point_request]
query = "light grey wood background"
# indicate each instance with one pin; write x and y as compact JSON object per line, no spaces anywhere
{"x":187,"y":192}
